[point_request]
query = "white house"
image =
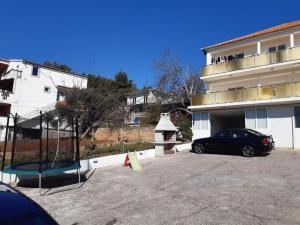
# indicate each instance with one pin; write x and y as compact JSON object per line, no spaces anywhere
{"x":253,"y":81}
{"x":28,"y":88}
{"x":136,"y":102}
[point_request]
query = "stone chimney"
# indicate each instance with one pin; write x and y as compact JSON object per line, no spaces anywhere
{"x":165,"y":135}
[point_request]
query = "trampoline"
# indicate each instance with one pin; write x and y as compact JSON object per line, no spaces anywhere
{"x":40,"y":146}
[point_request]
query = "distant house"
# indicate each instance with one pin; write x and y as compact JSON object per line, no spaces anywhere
{"x":27,"y":88}
{"x":136,"y":102}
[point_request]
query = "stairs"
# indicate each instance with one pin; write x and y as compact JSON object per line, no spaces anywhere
{"x":36,"y":112}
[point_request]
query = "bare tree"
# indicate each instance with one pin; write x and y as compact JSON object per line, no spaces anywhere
{"x":93,"y":108}
{"x":178,"y":84}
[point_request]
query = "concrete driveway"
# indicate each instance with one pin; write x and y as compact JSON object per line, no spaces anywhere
{"x":185,"y":188}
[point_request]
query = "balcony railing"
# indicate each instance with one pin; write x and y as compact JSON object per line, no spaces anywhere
{"x":263,"y":59}
{"x":249,"y":94}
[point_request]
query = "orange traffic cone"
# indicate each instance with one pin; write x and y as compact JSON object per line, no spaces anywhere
{"x":126,"y":162}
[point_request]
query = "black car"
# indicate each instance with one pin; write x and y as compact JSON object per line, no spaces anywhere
{"x":244,"y":141}
{"x":17,"y":209}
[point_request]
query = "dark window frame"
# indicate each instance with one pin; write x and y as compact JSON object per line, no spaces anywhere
{"x":297,"y":117}
{"x":35,"y":71}
{"x":47,"y":91}
{"x":272,"y":49}
{"x":240,"y":55}
{"x":281,"y":47}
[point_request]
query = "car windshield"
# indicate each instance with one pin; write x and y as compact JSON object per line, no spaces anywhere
{"x":254,"y":132}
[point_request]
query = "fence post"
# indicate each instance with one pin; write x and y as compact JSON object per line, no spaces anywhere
{"x":77,"y":141}
{"x":5,"y":144}
{"x":47,"y":141}
{"x":72,"y":137}
{"x":41,"y":142}
{"x":13,"y":152}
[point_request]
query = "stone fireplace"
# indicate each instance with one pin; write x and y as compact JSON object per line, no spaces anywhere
{"x":165,"y":135}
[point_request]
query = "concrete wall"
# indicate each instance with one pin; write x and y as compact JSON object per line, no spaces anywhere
{"x":101,"y":162}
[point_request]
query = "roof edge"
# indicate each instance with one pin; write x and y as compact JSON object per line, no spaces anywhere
{"x":55,"y":69}
{"x":267,"y":31}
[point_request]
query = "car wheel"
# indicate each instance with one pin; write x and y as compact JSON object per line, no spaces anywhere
{"x":199,"y":148}
{"x":248,"y":151}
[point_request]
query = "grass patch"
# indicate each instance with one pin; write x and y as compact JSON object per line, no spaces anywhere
{"x":113,"y":150}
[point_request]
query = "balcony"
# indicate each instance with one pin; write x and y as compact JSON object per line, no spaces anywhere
{"x":249,"y":94}
{"x":248,"y":62}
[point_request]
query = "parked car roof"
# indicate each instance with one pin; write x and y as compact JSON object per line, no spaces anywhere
{"x":16,"y":208}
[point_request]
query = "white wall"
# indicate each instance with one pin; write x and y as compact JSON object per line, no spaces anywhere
{"x":256,"y":79}
{"x":279,"y":125}
{"x":245,"y":44}
{"x":274,"y":43}
{"x":198,"y":132}
{"x":297,"y":39}
{"x":140,"y":98}
{"x":29,"y":90}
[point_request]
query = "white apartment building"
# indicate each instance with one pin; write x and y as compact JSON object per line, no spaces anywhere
{"x":28,"y":88}
{"x":253,"y":82}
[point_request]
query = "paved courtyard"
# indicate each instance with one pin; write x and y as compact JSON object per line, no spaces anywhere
{"x":185,"y":188}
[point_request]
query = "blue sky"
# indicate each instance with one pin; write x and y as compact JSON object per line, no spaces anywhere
{"x":105,"y":36}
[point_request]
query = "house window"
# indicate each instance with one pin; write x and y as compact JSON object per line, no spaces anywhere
{"x":204,"y":120}
{"x":145,"y":99}
{"x":262,"y":118}
{"x":240,"y":55}
{"x":196,"y":120}
{"x":47,"y":89}
{"x":134,"y":100}
{"x":60,"y":96}
{"x":272,"y":49}
{"x":297,"y":116}
{"x":200,"y":120}
{"x":35,"y":71}
{"x":281,"y":47}
{"x":256,"y":118}
{"x":4,"y":109}
{"x":250,"y":118}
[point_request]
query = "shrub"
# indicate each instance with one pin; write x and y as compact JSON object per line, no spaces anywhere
{"x":184,"y":125}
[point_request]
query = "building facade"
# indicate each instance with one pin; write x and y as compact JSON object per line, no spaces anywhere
{"x":252,"y":82}
{"x":136,"y":103}
{"x":28,"y":88}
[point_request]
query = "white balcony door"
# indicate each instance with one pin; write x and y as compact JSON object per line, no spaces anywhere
{"x":297,"y":126}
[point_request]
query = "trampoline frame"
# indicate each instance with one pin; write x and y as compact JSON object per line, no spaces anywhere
{"x":9,"y":169}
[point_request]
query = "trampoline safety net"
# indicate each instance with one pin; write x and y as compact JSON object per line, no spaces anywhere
{"x":40,"y":144}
